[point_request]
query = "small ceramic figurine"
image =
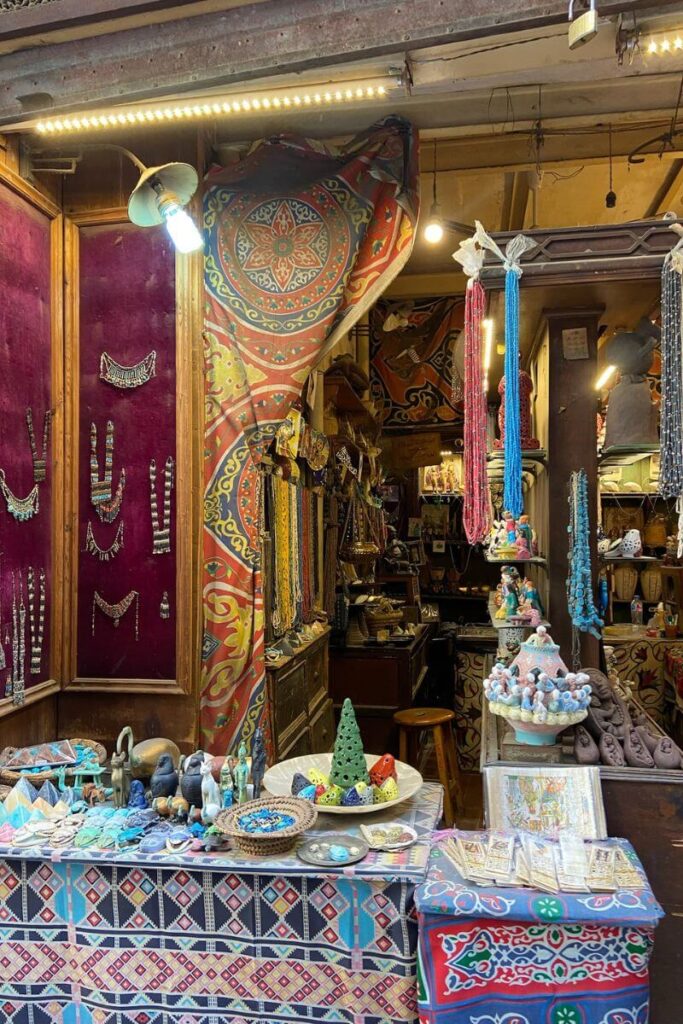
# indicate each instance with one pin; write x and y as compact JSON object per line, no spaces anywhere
{"x":119,"y":779}
{"x":258,"y":763}
{"x":191,"y":781}
{"x":510,"y":527}
{"x":227,"y":784}
{"x":241,"y":774}
{"x":136,"y":796}
{"x":509,"y":595}
{"x":164,"y":781}
{"x":211,"y":796}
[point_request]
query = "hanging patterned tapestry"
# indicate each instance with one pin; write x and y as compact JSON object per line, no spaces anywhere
{"x":416,"y":362}
{"x":301,"y":240}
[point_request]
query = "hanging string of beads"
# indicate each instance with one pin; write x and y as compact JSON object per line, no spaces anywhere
{"x":580,"y":601}
{"x":513,"y":500}
{"x":475,"y":513}
{"x":512,"y":494}
{"x":671,"y":423}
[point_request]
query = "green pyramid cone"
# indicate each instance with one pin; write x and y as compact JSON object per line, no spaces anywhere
{"x":348,"y":760}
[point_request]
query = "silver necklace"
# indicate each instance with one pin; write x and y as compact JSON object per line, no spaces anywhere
{"x":3,"y":660}
{"x":21,"y":508}
{"x":106,"y":506}
{"x":128,"y":376}
{"x":118,"y":610}
{"x":39,"y":460}
{"x":104,"y":554}
{"x":161,"y":531}
{"x":18,"y":642}
{"x":36,"y":621}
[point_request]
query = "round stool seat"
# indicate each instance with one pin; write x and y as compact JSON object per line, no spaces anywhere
{"x":423,"y":718}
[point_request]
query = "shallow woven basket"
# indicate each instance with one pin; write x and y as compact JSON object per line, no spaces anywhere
{"x":11,"y":777}
{"x":266,"y":845}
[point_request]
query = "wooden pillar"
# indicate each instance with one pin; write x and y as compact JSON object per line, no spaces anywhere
{"x":572,"y":445}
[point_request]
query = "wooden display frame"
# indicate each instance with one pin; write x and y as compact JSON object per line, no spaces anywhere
{"x":51,"y":685}
{"x":188,"y":487}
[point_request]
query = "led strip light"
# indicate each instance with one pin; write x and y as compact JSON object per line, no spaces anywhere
{"x":225,"y":106}
{"x":672,"y":43}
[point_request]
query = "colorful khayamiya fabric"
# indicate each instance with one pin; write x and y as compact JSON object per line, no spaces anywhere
{"x":300,"y":241}
{"x":519,"y":956}
{"x":416,"y":362}
{"x":125,"y":938}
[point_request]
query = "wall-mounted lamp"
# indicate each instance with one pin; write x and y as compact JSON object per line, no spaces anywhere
{"x":158,"y":198}
{"x":604,"y":377}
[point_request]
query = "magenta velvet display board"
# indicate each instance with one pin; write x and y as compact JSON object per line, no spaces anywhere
{"x":127,"y":308}
{"x":25,"y":380}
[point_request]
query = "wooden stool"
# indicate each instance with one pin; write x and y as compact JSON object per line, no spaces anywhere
{"x":414,"y":720}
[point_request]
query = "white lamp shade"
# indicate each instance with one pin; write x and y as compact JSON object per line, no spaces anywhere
{"x":180,"y":179}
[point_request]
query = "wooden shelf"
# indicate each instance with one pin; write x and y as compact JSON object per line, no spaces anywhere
{"x":639,"y":495}
{"x":535,"y":560}
{"x":339,"y":391}
{"x":619,"y":559}
{"x":454,"y":597}
{"x":536,"y":456}
{"x":624,"y":455}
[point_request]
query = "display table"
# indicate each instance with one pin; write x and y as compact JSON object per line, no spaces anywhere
{"x":519,"y":956}
{"x":213,"y":938}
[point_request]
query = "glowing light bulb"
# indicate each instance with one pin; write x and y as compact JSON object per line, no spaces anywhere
{"x":604,"y":377}
{"x":433,"y":232}
{"x":665,"y":46}
{"x":180,"y":226}
{"x":652,"y":48}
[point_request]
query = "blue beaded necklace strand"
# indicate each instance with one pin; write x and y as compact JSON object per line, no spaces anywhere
{"x":580,"y":601}
{"x":512,"y":495}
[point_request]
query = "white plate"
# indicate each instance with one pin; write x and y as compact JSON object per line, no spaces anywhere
{"x":278,"y":781}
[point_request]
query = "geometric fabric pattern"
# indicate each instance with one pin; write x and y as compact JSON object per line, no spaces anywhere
{"x":91,"y":942}
{"x":300,"y":241}
{"x":516,"y":956}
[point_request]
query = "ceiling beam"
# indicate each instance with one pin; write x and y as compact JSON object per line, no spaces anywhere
{"x":251,"y":42}
{"x":515,"y":200}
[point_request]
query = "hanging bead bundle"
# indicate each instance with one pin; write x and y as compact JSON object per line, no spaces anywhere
{"x":671,"y":423}
{"x":475,"y":516}
{"x":18,"y":642}
{"x":580,"y":601}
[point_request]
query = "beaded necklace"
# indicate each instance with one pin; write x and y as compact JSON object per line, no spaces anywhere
{"x":36,"y":618}
{"x":475,"y":514}
{"x":118,"y":610}
{"x":161,"y":531}
{"x":512,"y":473}
{"x":283,"y":603}
{"x":3,"y":661}
{"x":106,"y":506}
{"x":580,"y":601}
{"x":104,"y":554}
{"x":128,"y":376}
{"x":39,"y":461}
{"x":671,"y":426}
{"x":295,"y":564}
{"x":21,"y":508}
{"x":18,"y":643}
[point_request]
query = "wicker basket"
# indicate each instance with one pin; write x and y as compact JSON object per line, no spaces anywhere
{"x":651,"y":583}
{"x":625,"y":582}
{"x":10,"y":777}
{"x":382,"y":620}
{"x":267,"y":845}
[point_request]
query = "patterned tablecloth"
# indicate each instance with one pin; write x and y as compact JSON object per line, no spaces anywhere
{"x":102,"y":938}
{"x":519,"y":956}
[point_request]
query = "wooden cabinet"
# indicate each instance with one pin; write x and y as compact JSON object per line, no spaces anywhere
{"x":380,"y":681}
{"x":300,"y":708}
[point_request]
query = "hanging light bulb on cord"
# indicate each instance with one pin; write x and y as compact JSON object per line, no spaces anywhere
{"x":160,"y":197}
{"x":433,"y":232}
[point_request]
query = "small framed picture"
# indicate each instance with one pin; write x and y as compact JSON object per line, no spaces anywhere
{"x":439,"y":547}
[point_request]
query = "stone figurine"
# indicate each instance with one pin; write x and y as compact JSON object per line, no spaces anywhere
{"x":211,"y":796}
{"x":119,"y":778}
{"x":192,"y":778}
{"x":258,"y":763}
{"x":241,"y":774}
{"x":227,"y":784}
{"x":164,"y":781}
{"x":136,"y":796}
